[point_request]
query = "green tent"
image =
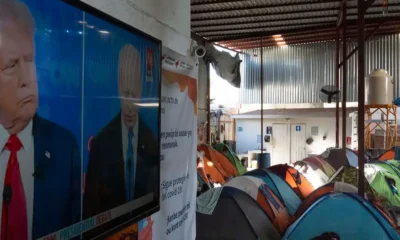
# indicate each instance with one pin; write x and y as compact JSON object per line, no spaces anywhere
{"x":233,"y":158}
{"x":384,"y":178}
{"x":348,"y":174}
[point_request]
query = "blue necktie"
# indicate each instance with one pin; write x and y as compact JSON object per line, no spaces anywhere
{"x":130,"y":169}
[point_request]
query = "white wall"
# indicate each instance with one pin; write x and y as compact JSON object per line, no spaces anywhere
{"x":168,"y":21}
{"x":247,"y":139}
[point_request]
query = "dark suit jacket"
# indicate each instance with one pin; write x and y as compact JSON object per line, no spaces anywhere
{"x":57,"y":178}
{"x":105,"y":176}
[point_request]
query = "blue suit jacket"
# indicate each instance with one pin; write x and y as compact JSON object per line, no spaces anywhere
{"x":57,"y":178}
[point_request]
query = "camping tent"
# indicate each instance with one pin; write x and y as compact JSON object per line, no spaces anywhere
{"x":334,"y":157}
{"x":385,"y":180}
{"x":334,"y":187}
{"x":300,"y":185}
{"x":388,"y":155}
{"x":349,"y":175}
{"x":228,"y":213}
{"x":207,"y":170}
{"x":266,"y":198}
{"x":345,"y":214}
{"x":316,"y":170}
{"x":279,"y":187}
{"x":224,"y":149}
{"x":222,"y":163}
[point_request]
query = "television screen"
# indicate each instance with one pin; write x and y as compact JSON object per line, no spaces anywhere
{"x":79,"y":121}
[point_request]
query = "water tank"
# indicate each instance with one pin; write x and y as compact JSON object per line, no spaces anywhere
{"x":379,"y":88}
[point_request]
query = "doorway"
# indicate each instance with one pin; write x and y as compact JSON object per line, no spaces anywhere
{"x":297,"y":142}
{"x":281,"y":143}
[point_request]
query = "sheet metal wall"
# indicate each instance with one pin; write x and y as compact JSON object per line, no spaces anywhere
{"x":295,"y":74}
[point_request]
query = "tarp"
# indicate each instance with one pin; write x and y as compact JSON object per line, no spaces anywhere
{"x":334,"y":157}
{"x":266,"y":198}
{"x":279,"y":187}
{"x":224,"y":166}
{"x":235,"y":215}
{"x":344,"y":214}
{"x":300,"y":185}
{"x":224,"y":149}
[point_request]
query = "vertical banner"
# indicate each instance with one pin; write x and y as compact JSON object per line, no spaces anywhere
{"x":176,"y":219}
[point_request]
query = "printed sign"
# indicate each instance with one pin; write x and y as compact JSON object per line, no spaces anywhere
{"x":269,"y":130}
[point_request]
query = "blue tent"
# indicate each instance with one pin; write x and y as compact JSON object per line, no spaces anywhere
{"x":343,"y":214}
{"x":279,"y":187}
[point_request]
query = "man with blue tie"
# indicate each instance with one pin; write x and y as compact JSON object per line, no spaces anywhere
{"x":123,"y":155}
{"x":40,"y":167}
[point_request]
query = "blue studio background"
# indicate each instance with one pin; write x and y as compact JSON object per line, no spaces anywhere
{"x":103,"y":42}
{"x":58,"y":41}
{"x":68,"y":42}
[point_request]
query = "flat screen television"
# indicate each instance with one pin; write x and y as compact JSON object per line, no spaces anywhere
{"x":80,"y":112}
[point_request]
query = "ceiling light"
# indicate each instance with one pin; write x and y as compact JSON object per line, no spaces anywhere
{"x":104,"y":32}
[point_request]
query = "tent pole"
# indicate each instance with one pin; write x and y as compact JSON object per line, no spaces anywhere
{"x":361,"y":95}
{"x":344,"y":80}
{"x":262,"y":97}
{"x":337,"y":86}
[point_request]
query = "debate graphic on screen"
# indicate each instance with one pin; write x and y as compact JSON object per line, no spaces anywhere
{"x":79,"y":122}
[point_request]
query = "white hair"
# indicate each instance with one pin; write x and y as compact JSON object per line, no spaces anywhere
{"x":15,"y":11}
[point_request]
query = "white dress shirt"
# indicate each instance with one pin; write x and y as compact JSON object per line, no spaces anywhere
{"x":26,"y":165}
{"x":134,"y":143}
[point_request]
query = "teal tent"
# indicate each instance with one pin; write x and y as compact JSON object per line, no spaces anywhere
{"x":345,"y":216}
{"x":279,"y":187}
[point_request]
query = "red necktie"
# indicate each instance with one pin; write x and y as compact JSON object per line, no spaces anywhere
{"x":14,"y":220}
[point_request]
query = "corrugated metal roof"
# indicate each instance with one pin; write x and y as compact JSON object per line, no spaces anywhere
{"x":296,"y":73}
{"x":234,"y":23}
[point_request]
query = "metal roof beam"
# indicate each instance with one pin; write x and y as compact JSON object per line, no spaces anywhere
{"x":284,"y":19}
{"x":262,"y":6}
{"x":238,"y":36}
{"x":327,"y":33}
{"x":310,"y":40}
{"x":205,"y":31}
{"x":284,"y":12}
{"x":215,"y":2}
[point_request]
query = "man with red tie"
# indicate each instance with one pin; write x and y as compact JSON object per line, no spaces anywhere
{"x":40,"y":171}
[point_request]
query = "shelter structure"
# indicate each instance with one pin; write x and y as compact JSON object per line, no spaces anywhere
{"x":350,"y":217}
{"x":237,"y":215}
{"x":243,"y":25}
{"x":266,"y":198}
{"x":335,"y":158}
{"x":300,"y":185}
{"x":280,"y":187}
{"x":222,"y":163}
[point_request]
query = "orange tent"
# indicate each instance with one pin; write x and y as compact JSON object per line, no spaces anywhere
{"x":224,"y":166}
{"x":388,"y":155}
{"x":206,"y":167}
{"x":300,"y":185}
{"x":265,"y":197}
{"x":312,"y":197}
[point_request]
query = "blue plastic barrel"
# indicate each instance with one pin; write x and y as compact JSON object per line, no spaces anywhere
{"x":264,"y":160}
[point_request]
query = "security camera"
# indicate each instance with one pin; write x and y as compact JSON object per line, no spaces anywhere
{"x":200,"y":51}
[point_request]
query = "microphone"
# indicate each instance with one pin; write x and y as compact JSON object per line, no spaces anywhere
{"x":7,"y":194}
